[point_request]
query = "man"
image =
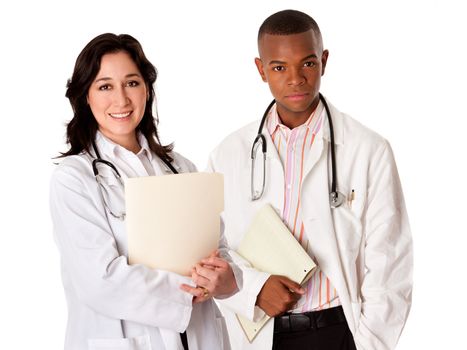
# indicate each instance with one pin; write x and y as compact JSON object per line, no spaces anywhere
{"x":360,"y":295}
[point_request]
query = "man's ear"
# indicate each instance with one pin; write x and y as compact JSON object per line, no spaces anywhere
{"x":259,"y":65}
{"x":324,"y":60}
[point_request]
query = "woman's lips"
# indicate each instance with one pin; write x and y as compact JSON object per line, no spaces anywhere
{"x":120,"y":115}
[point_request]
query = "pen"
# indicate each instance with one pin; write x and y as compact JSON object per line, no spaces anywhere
{"x":351,"y":198}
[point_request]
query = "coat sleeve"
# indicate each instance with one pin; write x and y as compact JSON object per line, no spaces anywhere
{"x":386,"y":288}
{"x":96,"y":273}
{"x":249,"y":280}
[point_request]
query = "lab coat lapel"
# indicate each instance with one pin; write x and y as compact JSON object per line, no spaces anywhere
{"x":316,"y":209}
{"x":322,"y":138}
{"x":316,"y":152}
{"x":318,"y":222}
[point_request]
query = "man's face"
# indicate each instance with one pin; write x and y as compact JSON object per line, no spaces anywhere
{"x":292,"y":65}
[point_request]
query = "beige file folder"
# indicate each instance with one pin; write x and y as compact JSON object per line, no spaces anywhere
{"x":173,"y":221}
{"x":269,"y":246}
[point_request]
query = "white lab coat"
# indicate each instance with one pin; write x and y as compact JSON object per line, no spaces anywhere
{"x":111,"y":304}
{"x":364,"y":248}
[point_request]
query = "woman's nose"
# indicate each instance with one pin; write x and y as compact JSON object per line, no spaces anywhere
{"x":121,"y":97}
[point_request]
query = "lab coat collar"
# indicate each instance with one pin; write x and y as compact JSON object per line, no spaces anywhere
{"x":337,"y":124}
{"x":322,"y":141}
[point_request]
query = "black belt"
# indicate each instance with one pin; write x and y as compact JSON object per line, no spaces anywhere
{"x":308,"y":320}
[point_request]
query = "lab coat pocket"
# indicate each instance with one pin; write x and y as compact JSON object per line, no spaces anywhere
{"x":348,"y":229}
{"x":138,"y":343}
{"x":222,"y":331}
{"x":356,"y":310}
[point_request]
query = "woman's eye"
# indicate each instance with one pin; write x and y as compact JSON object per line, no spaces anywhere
{"x":104,"y":87}
{"x":279,"y":68}
{"x":133,"y":83}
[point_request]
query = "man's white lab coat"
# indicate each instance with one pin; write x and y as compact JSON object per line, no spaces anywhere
{"x":363,"y":246}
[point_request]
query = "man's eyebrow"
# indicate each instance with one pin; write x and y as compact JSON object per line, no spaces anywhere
{"x":309,"y":56}
{"x":303,"y":59}
{"x":276,"y":62}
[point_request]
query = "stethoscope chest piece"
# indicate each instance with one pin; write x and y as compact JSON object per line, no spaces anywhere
{"x":336,"y":199}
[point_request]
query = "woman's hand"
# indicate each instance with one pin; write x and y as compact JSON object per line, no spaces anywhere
{"x":213,"y":277}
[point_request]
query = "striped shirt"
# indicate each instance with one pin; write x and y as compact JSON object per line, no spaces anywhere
{"x":293,"y":147}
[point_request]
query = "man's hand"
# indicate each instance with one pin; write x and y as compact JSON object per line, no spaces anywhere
{"x":278,"y":295}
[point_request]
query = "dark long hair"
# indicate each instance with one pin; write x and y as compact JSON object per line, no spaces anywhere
{"x":82,"y":128}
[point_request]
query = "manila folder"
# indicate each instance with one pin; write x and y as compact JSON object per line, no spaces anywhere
{"x":173,"y":221}
{"x":270,"y":247}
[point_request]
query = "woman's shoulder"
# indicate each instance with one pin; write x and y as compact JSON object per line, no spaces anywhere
{"x":77,"y":167}
{"x":183,"y":163}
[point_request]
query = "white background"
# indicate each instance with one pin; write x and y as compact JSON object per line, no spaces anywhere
{"x":397,"y":66}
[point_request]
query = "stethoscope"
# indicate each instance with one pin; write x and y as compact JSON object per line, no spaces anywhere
{"x":98,"y":160}
{"x":336,"y":198}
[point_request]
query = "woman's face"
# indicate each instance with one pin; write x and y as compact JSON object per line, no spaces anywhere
{"x":117,"y":98}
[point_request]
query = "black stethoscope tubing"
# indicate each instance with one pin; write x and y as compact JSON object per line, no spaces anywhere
{"x":336,"y":198}
{"x":98,"y":159}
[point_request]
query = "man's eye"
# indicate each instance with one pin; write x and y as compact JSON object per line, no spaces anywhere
{"x":309,"y":64}
{"x":279,"y":68}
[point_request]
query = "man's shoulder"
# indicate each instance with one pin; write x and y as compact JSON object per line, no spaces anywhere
{"x":240,"y":138}
{"x":353,"y":132}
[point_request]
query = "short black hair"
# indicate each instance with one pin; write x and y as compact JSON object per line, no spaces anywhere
{"x":288,"y":22}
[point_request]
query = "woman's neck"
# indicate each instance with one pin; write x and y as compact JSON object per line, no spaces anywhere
{"x":129,"y":142}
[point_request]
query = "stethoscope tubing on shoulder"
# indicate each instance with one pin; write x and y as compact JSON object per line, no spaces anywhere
{"x":336,"y":198}
{"x":98,"y":160}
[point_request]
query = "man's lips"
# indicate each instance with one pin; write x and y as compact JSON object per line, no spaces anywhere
{"x":297,"y":96}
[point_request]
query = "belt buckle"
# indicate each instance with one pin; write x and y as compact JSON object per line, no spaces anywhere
{"x":284,"y":323}
{"x":301,"y":322}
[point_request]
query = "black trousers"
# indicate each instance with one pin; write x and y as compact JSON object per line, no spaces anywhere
{"x":333,"y":337}
{"x":184,"y":340}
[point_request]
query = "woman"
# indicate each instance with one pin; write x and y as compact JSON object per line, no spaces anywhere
{"x":111,"y":304}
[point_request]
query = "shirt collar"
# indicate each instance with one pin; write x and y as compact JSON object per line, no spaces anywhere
{"x":313,"y":122}
{"x":112,"y":149}
{"x":144,"y":146}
